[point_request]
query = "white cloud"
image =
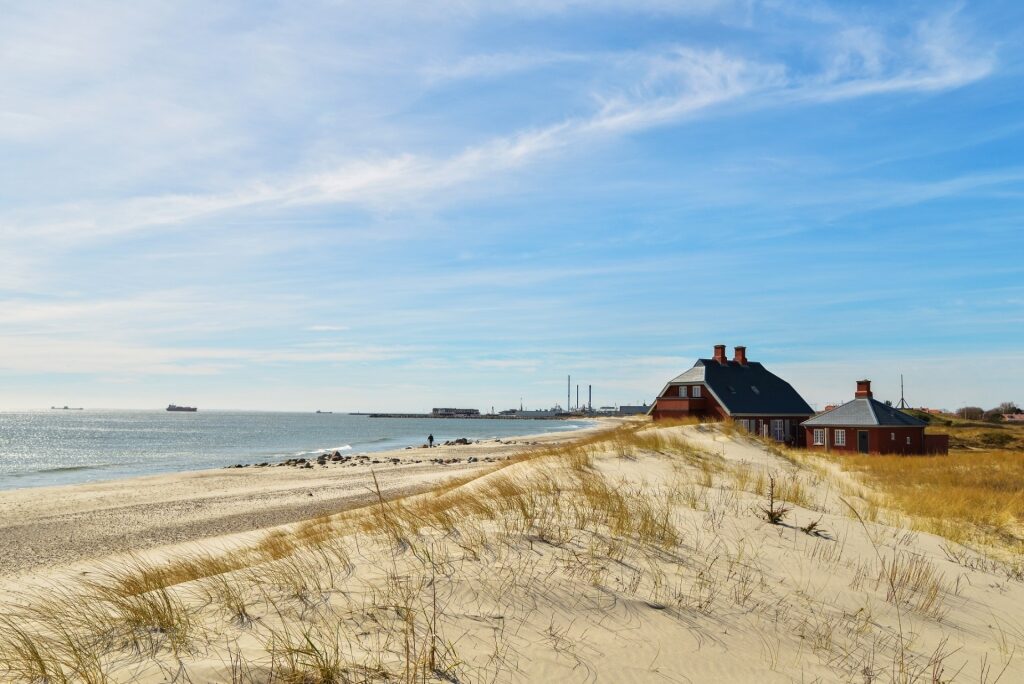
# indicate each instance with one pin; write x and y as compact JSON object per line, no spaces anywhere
{"x":112,"y":356}
{"x":679,"y":84}
{"x":173,"y":126}
{"x":639,"y":91}
{"x":936,"y":56}
{"x":495,"y":65}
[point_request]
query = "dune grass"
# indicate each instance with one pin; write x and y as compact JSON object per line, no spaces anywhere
{"x":364,"y":595}
{"x":966,"y":495}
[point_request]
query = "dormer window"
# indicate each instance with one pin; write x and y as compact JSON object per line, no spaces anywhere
{"x":754,"y":387}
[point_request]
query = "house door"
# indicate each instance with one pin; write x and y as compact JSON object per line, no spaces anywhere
{"x":862,"y":441}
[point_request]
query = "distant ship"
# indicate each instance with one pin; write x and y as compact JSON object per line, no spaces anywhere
{"x":172,"y":407}
{"x":325,"y":411}
{"x":65,"y":408}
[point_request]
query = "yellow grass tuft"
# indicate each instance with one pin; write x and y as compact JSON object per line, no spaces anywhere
{"x":965,"y":496}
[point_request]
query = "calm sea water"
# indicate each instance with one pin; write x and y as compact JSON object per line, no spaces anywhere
{"x":39,"y":448}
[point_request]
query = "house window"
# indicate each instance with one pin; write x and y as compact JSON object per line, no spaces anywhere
{"x":754,"y":387}
{"x":819,"y":436}
{"x":682,"y":390}
{"x":839,"y":437}
{"x":908,"y":440}
{"x":696,"y":391}
{"x":778,"y":430}
{"x":892,"y":436}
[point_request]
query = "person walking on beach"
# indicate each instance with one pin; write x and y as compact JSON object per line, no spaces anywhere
{"x":430,"y":441}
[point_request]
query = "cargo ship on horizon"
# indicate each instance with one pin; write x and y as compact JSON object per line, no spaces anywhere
{"x":174,"y":407}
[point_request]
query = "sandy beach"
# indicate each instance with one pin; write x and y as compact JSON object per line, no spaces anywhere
{"x":50,"y":527}
{"x":633,"y":553}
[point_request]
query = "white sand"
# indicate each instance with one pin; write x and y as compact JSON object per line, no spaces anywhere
{"x":45,"y":528}
{"x":735,"y":599}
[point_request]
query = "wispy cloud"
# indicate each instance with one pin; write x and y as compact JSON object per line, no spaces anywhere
{"x":470,"y":188}
{"x":642,"y":91}
{"x":936,"y":56}
{"x":497,"y":65}
{"x":105,"y":356}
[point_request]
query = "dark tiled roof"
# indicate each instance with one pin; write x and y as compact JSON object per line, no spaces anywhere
{"x":748,"y":389}
{"x":864,"y":412}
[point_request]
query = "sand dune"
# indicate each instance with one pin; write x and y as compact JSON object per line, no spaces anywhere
{"x":44,"y":527}
{"x":638,"y":555}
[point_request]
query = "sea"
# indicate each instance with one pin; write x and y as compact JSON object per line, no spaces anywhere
{"x":57,"y":447}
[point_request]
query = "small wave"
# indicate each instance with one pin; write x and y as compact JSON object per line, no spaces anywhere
{"x":62,"y":469}
{"x":343,"y":447}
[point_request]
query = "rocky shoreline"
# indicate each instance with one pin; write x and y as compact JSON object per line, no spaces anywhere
{"x":328,"y":458}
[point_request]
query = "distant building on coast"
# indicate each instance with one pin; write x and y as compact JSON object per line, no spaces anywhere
{"x":741,"y":390}
{"x":868,"y":426}
{"x":932,"y":411}
{"x":627,"y":410}
{"x":454,"y":412}
{"x":539,"y":413}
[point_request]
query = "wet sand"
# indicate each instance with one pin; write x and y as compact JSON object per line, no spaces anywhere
{"x":48,"y":527}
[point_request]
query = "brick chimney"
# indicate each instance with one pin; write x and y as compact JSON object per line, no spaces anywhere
{"x":740,"y":355}
{"x":720,"y":353}
{"x":863,"y":389}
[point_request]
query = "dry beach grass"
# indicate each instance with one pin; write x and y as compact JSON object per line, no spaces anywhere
{"x":973,"y":495}
{"x":637,"y":554}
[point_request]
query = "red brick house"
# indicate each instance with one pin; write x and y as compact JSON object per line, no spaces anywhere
{"x":868,"y":426}
{"x":741,"y":390}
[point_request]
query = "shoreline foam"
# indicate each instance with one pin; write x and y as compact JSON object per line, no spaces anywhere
{"x":59,"y":524}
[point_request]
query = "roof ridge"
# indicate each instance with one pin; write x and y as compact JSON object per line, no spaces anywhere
{"x":871,"y":407}
{"x":893,"y":412}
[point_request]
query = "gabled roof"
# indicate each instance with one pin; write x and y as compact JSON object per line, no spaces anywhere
{"x":695,"y":374}
{"x":745,"y":389}
{"x":864,"y":412}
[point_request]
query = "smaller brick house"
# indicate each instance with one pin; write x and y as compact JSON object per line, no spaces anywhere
{"x":735,"y":389}
{"x":868,"y":426}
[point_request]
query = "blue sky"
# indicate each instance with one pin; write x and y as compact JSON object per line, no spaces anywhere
{"x":391,"y":205}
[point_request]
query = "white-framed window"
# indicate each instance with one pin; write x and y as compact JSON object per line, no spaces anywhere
{"x":696,"y":391}
{"x":778,"y":430}
{"x":819,"y":436}
{"x":682,"y":390}
{"x":839,"y":437}
{"x":908,"y":440}
{"x":892,"y":436}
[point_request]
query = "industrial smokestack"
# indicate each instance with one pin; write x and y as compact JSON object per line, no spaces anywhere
{"x":590,"y":398}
